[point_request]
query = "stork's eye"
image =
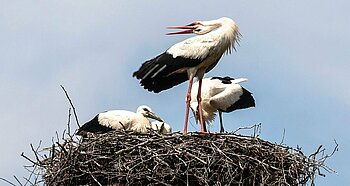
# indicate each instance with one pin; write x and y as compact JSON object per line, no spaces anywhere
{"x":198,"y":30}
{"x":194,"y":23}
{"x":145,"y":109}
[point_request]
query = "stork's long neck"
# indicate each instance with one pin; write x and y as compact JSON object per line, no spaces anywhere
{"x":227,"y":37}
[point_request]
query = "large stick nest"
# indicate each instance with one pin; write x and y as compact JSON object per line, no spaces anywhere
{"x":124,"y":158}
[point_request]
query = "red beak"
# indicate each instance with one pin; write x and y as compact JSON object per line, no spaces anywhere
{"x":188,"y":31}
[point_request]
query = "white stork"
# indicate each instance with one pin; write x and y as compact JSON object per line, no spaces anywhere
{"x":120,"y":120}
{"x":190,"y":58}
{"x":161,"y":127}
{"x":221,"y":94}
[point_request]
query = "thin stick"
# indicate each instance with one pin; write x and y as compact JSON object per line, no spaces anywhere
{"x":284,"y":133}
{"x":93,"y":177}
{"x":35,"y":151}
{"x":255,"y":126}
{"x":68,"y":123}
{"x":5,"y":180}
{"x":24,"y":156}
{"x":71,"y":104}
{"x":18,"y":180}
{"x":28,"y":179}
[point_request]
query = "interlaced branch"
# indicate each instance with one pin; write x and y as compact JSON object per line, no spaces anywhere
{"x":127,"y":158}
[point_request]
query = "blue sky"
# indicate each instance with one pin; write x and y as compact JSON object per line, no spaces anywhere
{"x":294,"y":53}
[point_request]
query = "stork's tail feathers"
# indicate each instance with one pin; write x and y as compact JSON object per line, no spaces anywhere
{"x":239,"y":80}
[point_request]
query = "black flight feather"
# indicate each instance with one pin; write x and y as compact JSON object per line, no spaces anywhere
{"x":246,"y":100}
{"x":93,"y":126}
{"x":158,"y":74}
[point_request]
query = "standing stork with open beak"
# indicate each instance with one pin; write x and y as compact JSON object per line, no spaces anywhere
{"x":190,"y":58}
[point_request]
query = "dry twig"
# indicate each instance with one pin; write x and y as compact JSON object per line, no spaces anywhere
{"x":71,"y":104}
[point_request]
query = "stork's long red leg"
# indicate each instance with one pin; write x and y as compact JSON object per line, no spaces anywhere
{"x":200,"y":111}
{"x":222,"y":130}
{"x":188,"y":99}
{"x":205,"y":126}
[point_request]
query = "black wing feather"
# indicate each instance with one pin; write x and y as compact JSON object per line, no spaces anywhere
{"x":246,"y":100}
{"x":93,"y":126}
{"x":158,"y":74}
{"x":224,"y":80}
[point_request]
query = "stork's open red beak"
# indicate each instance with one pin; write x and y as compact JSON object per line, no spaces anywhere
{"x":189,"y":30}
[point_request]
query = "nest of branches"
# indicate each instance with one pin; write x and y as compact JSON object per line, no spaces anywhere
{"x":125,"y":158}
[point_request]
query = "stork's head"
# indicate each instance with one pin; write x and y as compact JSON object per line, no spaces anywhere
{"x":204,"y":27}
{"x":224,"y":30}
{"x":208,"y":114}
{"x":194,"y":108}
{"x":147,"y":112}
